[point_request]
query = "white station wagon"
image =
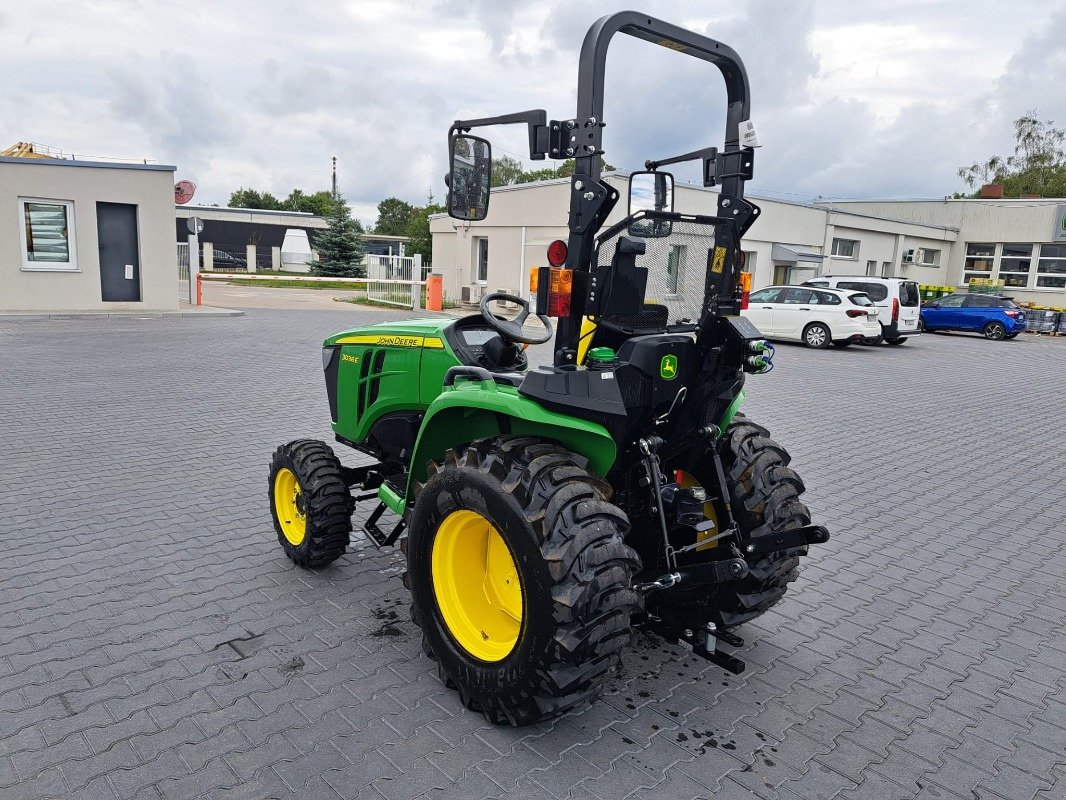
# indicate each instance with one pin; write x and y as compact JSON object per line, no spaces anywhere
{"x":816,"y":317}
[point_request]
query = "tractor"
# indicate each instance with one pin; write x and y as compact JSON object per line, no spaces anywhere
{"x":544,"y":513}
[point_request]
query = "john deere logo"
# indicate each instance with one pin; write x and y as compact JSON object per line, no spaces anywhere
{"x":668,"y":367}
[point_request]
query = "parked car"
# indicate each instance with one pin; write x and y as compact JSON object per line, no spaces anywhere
{"x":816,"y":317}
{"x":897,"y":299}
{"x":224,"y":259}
{"x":995,"y":317}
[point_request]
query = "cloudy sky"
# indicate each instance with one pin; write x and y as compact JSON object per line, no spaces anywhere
{"x":880,"y":98}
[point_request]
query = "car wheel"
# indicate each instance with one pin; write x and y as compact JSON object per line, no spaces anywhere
{"x":896,"y":341}
{"x":994,"y":330}
{"x":816,"y":335}
{"x":921,"y":324}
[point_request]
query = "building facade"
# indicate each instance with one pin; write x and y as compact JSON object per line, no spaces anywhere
{"x":86,"y":236}
{"x":939,"y":243}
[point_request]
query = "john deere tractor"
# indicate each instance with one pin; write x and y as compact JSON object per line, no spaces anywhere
{"x":545,"y":512}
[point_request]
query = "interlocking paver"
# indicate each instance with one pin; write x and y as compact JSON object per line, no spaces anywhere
{"x":155,"y":643}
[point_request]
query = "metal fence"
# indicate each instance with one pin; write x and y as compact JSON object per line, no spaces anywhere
{"x":228,"y":258}
{"x":183,"y":271}
{"x":394,"y":279}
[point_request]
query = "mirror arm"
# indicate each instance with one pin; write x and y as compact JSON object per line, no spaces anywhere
{"x":535,"y":119}
{"x":705,"y":154}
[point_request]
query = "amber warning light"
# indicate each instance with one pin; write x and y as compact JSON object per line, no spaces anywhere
{"x":553,"y":289}
{"x":745,"y":289}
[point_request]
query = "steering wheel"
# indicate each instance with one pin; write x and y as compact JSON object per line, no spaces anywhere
{"x":512,"y":328}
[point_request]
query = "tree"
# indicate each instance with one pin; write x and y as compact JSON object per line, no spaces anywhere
{"x":1038,"y":165}
{"x":418,"y":230}
{"x":340,"y":250}
{"x":251,"y":198}
{"x":564,"y":170}
{"x":506,"y":171}
{"x":319,"y":203}
{"x":394,"y":215}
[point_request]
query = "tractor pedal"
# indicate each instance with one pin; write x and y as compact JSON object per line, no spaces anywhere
{"x":378,"y":536}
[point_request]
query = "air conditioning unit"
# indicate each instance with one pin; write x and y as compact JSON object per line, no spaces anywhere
{"x":911,"y":256}
{"x":471,"y":295}
{"x":505,"y":304}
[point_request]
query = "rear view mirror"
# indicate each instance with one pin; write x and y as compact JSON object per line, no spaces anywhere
{"x":469,"y":177}
{"x":650,"y":191}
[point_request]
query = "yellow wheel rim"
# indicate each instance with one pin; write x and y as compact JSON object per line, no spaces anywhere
{"x":288,"y":505}
{"x":687,"y":481}
{"x":476,"y":584}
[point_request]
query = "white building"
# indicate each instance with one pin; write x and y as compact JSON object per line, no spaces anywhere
{"x":790,"y":242}
{"x":86,"y":236}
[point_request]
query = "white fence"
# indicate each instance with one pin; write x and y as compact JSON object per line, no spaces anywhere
{"x":396,"y":280}
{"x":183,"y":270}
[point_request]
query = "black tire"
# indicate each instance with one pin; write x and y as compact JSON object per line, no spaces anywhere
{"x":842,"y":344}
{"x":322,"y":496}
{"x":764,"y":494}
{"x":897,"y":341}
{"x":816,"y":335}
{"x":994,"y":331}
{"x":575,"y":570}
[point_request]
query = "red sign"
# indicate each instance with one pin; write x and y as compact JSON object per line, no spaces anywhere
{"x":183,"y":192}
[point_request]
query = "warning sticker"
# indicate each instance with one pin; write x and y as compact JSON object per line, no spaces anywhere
{"x":718,"y":264}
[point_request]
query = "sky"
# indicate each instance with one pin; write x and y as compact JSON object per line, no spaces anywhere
{"x":871,"y":99}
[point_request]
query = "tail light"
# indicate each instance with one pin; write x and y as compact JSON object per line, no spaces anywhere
{"x":895,"y":309}
{"x":857,"y":312}
{"x":745,"y":289}
{"x":1013,"y":312}
{"x":554,"y":295}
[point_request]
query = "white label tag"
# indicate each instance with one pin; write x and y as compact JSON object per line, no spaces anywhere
{"x":129,"y":272}
{"x":748,"y":136}
{"x":606,"y":376}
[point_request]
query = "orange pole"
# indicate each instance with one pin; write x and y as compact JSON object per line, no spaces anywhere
{"x":199,"y":289}
{"x":435,"y":293}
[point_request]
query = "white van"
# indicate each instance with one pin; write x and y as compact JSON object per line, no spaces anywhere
{"x":897,"y":300}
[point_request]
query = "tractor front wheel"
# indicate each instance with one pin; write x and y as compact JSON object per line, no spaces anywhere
{"x":310,"y":503}
{"x":519,"y":577}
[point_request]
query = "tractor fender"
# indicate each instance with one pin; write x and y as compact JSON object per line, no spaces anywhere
{"x":470,"y":410}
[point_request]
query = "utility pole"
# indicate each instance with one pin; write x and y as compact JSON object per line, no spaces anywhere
{"x":334,"y":177}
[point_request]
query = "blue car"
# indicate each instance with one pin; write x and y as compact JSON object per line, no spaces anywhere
{"x":994,"y":317}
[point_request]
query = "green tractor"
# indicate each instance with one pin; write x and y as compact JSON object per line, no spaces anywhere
{"x":546,"y":512}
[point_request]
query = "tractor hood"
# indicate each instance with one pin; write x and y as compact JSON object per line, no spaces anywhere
{"x":392,"y":333}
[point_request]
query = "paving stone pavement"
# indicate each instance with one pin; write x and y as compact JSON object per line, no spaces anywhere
{"x":155,"y":643}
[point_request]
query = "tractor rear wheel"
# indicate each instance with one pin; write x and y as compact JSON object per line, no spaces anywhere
{"x":310,"y":503}
{"x":764,"y":495}
{"x":519,"y":577}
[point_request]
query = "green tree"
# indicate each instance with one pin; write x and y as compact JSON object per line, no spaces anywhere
{"x":340,"y":250}
{"x":564,"y":170}
{"x":506,"y":171}
{"x":319,"y":203}
{"x":418,"y":230}
{"x":251,"y":198}
{"x":394,"y":215}
{"x":1038,"y":165}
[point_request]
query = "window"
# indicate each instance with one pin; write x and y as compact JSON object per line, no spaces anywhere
{"x":845,"y":248}
{"x":860,"y":299}
{"x":908,"y":295}
{"x":979,"y":257}
{"x":764,"y":296}
{"x":886,"y":269}
{"x":1051,"y":268}
{"x":482,"y":261}
{"x":799,"y":297}
{"x":1015,"y":263}
{"x":930,"y":257}
{"x":47,"y":231}
{"x":871,"y":268}
{"x":827,"y":299}
{"x":876,"y":291}
{"x":674,"y":264}
{"x":951,"y":301}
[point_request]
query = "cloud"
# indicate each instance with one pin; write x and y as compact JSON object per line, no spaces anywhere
{"x":851,"y":99}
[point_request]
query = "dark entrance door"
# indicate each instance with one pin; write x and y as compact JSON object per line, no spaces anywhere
{"x":120,"y":266}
